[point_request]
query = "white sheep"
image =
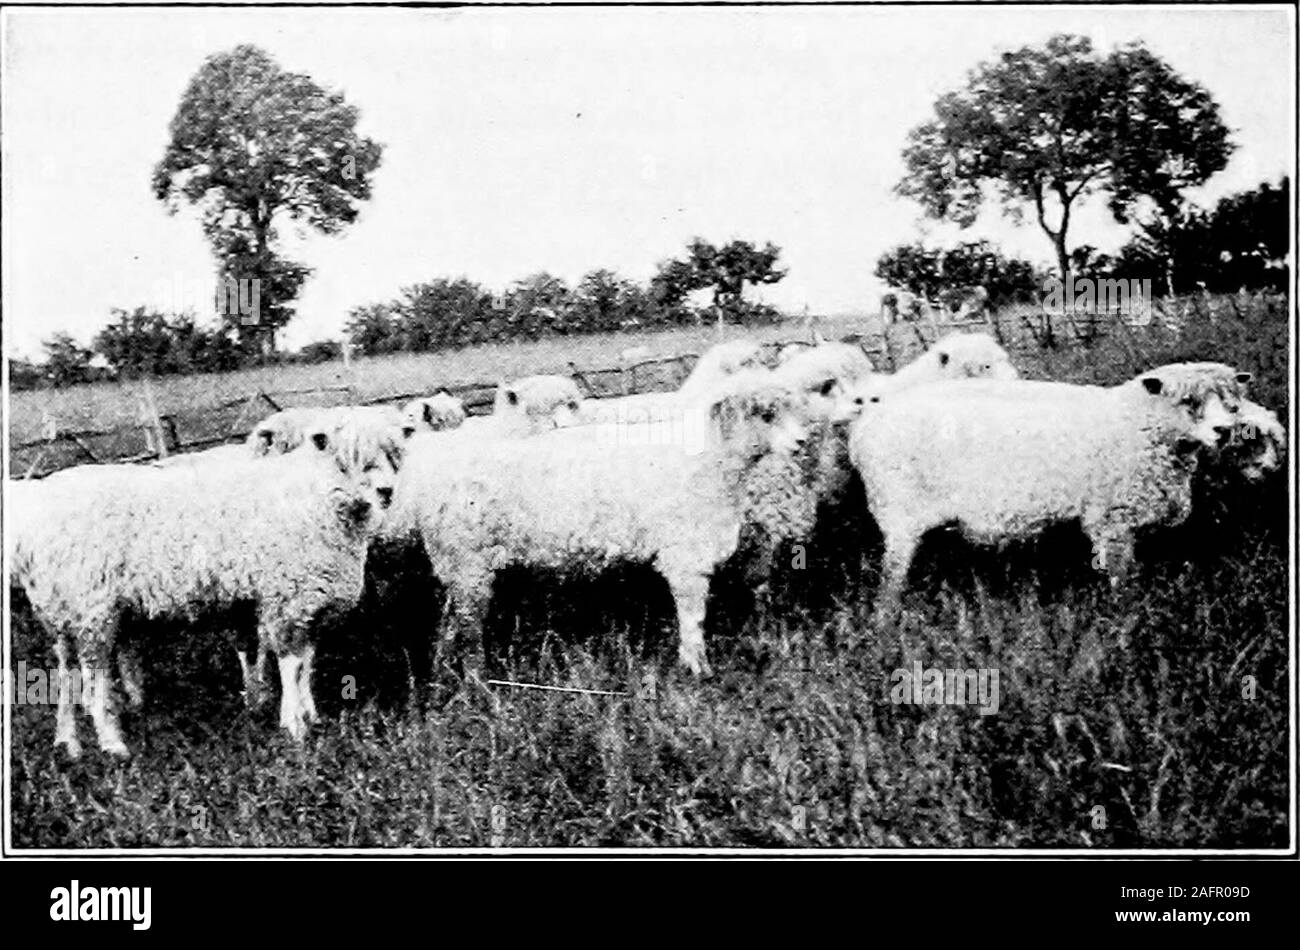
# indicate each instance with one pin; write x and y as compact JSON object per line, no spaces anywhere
{"x":1004,"y":459}
{"x":529,"y":405}
{"x":281,"y":431}
{"x":826,"y":368}
{"x":287,"y":429}
{"x":524,"y":408}
{"x":955,"y":356}
{"x":673,"y":408}
{"x":720,"y":361}
{"x":570,"y":499}
{"x":213,"y":456}
{"x":1255,"y":448}
{"x":287,"y":533}
{"x":434,"y":413}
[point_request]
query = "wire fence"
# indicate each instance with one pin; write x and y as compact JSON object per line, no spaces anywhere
{"x":159,"y":434}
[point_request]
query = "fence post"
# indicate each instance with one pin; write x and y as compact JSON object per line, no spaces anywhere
{"x":345,"y":347}
{"x":155,"y":436}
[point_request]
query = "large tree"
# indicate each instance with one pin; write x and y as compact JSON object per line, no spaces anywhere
{"x":1042,"y":127}
{"x":67,"y":362}
{"x":725,"y":270}
{"x":253,"y":146}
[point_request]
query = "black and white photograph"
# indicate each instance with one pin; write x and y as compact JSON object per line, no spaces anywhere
{"x":726,"y":430}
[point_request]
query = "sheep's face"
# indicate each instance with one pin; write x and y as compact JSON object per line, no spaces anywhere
{"x":437,"y":413}
{"x":1257,"y":446}
{"x":1206,"y":398}
{"x":368,"y":456}
{"x":972,"y":356}
{"x":826,"y":376}
{"x":281,"y":431}
{"x":540,"y":403}
{"x":756,"y":422}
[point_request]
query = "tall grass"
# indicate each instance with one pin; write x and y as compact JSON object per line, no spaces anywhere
{"x":1154,"y":716}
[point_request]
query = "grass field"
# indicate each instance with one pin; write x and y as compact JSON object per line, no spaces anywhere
{"x":1156,"y":716}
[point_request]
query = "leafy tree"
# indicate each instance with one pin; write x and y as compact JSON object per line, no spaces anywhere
{"x":1242,"y":242}
{"x":533,"y":307}
{"x":253,"y":146}
{"x":671,"y":285}
{"x":374,"y":329}
{"x":143,"y":342}
{"x":441,"y":313}
{"x":255,"y":311}
{"x":66,"y":361}
{"x":137,"y":343}
{"x":319,"y":351}
{"x":729,"y":268}
{"x":603,"y":301}
{"x":24,"y":374}
{"x":943,"y":273}
{"x":726,"y":270}
{"x":1041,"y":127}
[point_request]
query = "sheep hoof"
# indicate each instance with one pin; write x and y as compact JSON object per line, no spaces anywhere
{"x":695,"y":662}
{"x":71,"y":747}
{"x":296,"y":727}
{"x":115,"y":747}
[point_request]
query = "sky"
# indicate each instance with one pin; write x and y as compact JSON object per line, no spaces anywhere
{"x":557,"y":139}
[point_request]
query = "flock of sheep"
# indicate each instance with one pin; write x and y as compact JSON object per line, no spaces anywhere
{"x":744,"y":457}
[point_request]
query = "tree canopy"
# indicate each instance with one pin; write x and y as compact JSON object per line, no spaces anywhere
{"x":253,"y":145}
{"x":1041,"y":127}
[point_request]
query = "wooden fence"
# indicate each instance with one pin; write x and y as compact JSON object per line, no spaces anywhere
{"x":161,"y":434}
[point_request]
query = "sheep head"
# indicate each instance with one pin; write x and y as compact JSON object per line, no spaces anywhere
{"x":539,"y":403}
{"x":1204,"y":399}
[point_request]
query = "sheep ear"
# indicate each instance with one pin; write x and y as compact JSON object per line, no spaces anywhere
{"x":427,"y":413}
{"x":1153,"y":385}
{"x":943,"y":359}
{"x":321,"y":440}
{"x":1244,"y":378}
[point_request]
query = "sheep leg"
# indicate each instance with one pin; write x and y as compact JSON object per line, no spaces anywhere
{"x":254,"y":678}
{"x":467,"y":607}
{"x":130,"y":668}
{"x":900,"y":546}
{"x":304,"y":683}
{"x":65,"y":722}
{"x":292,"y":709}
{"x":690,"y":591}
{"x":97,"y":693}
{"x":1112,"y":548}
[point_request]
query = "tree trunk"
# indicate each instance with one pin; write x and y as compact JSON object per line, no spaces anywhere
{"x":261,"y":228}
{"x":1062,"y":255}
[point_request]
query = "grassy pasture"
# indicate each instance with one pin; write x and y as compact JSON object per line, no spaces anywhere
{"x":1156,"y":716}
